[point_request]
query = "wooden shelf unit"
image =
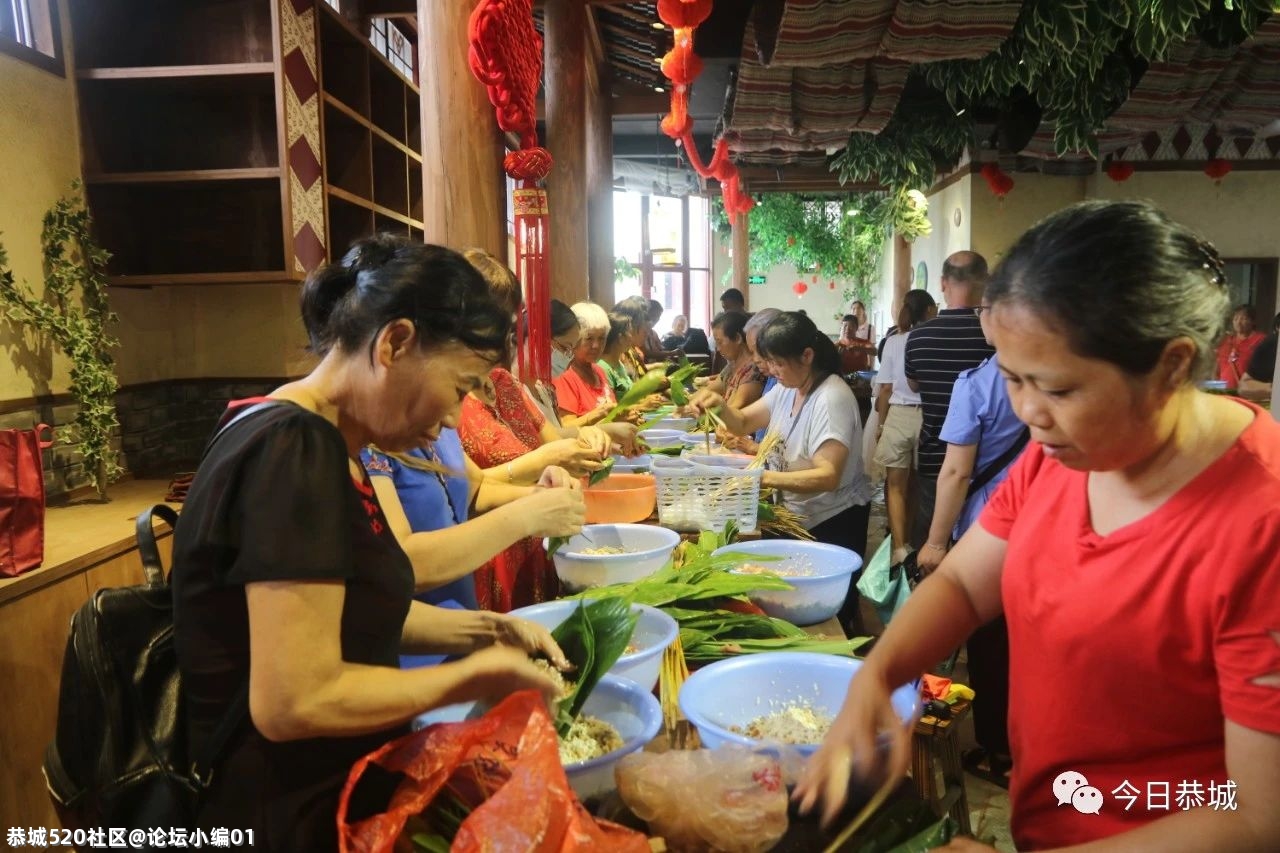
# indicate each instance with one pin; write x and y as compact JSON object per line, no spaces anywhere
{"x":371,"y":160}
{"x":189,"y":117}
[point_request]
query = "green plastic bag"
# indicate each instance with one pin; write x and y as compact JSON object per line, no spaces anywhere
{"x":886,"y":589}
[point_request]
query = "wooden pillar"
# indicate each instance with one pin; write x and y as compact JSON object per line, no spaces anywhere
{"x":901,"y":272}
{"x":463,"y":189}
{"x":566,"y":103}
{"x":600,"y":184}
{"x":741,"y":248}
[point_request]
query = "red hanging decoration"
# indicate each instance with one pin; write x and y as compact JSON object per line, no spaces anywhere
{"x":831,"y":285}
{"x":505,"y":54}
{"x":814,"y":279}
{"x":1217,"y":168}
{"x":997,"y":181}
{"x":800,"y":288}
{"x":1119,"y":171}
{"x":791,"y":241}
{"x":682,"y":66}
{"x":682,"y":14}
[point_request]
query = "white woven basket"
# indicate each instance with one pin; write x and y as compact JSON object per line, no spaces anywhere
{"x":693,"y":497}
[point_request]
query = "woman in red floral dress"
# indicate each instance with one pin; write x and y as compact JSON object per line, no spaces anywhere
{"x":503,"y":432}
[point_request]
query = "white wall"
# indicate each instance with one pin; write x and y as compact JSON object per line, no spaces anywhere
{"x":1238,"y":216}
{"x":997,"y":223}
{"x":947,"y":237}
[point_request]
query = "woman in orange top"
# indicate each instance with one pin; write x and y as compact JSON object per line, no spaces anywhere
{"x":1238,"y":346}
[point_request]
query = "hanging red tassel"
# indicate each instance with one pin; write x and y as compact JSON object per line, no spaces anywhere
{"x":505,"y":54}
{"x":1217,"y":168}
{"x":1119,"y":171}
{"x":800,"y":288}
{"x":997,"y":181}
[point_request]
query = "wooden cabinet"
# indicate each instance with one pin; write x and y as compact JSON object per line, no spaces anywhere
{"x":33,"y":641}
{"x":239,"y":140}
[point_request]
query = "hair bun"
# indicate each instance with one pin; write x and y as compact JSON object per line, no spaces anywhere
{"x":1212,"y":262}
{"x":321,"y":293}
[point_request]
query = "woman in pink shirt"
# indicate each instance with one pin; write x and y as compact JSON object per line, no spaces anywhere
{"x":1132,"y":551}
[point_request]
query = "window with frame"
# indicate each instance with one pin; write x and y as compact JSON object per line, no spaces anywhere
{"x":398,"y":48}
{"x":30,"y":31}
{"x":663,"y":249}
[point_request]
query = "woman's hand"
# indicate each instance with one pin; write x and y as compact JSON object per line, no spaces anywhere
{"x":553,"y":512}
{"x":595,"y":439}
{"x":623,"y":435}
{"x":531,"y":638}
{"x":500,"y":670}
{"x":850,"y":747}
{"x":705,"y":400}
{"x":555,"y":477}
{"x":930,"y":557}
{"x":739,"y":443}
{"x":571,"y":455}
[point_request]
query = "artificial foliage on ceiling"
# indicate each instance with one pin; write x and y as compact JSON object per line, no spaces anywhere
{"x":836,"y":238}
{"x":891,"y":90}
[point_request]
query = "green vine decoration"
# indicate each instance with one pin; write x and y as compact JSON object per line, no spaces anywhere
{"x":74,"y":314}
{"x":1076,"y":56}
{"x":907,"y":153}
{"x":840,"y":237}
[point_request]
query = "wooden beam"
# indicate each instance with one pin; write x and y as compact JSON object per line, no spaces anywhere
{"x":594,"y":41}
{"x":463,"y":190}
{"x":566,"y":83}
{"x":741,"y":254}
{"x":641,"y":105}
{"x":389,"y":8}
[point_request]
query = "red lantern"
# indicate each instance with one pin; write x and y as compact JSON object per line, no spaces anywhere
{"x":800,"y":288}
{"x":1119,"y":171}
{"x":1217,"y":168}
{"x":683,"y":14}
{"x":814,"y":279}
{"x":997,"y":181}
{"x":831,"y":285}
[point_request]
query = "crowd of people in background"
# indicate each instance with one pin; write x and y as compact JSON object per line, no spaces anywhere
{"x":389,"y":506}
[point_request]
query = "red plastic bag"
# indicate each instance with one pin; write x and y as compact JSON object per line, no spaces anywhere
{"x":21,"y":500}
{"x":506,"y":768}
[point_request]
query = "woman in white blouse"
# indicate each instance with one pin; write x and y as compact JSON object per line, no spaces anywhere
{"x":900,"y":418}
{"x":818,"y":467}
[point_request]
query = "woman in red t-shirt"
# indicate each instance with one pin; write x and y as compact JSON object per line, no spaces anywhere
{"x":583,"y":394}
{"x":1237,"y":347}
{"x":1131,"y":550}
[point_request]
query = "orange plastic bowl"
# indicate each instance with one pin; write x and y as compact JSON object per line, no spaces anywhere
{"x":621,"y":499}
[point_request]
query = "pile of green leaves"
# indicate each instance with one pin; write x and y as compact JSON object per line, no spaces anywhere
{"x":593,"y":638}
{"x":650,"y":383}
{"x":691,"y":592}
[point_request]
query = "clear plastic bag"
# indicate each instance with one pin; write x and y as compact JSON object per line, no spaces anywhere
{"x":727,"y":800}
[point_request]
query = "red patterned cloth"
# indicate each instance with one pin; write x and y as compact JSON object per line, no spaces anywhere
{"x":493,"y":435}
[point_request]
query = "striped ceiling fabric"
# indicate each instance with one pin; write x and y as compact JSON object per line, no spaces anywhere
{"x":1198,"y":90}
{"x":807,"y":101}
{"x":826,"y":32}
{"x":840,"y":66}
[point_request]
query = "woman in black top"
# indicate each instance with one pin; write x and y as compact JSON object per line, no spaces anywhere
{"x":286,"y":574}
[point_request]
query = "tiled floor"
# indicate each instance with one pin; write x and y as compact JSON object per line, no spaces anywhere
{"x":988,"y":803}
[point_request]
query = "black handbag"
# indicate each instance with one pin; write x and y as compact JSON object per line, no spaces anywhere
{"x":119,"y":757}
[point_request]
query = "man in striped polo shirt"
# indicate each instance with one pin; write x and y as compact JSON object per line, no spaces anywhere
{"x":936,"y":353}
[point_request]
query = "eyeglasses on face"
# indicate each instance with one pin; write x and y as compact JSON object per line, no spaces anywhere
{"x":978,"y":309}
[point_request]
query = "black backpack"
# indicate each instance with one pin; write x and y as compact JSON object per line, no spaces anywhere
{"x":119,"y":756}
